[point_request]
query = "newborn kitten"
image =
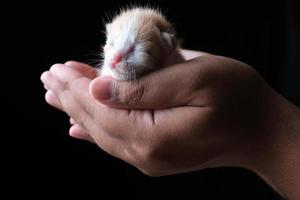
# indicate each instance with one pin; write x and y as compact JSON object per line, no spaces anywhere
{"x":138,"y":41}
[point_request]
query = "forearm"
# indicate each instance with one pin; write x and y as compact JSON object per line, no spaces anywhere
{"x":279,"y":164}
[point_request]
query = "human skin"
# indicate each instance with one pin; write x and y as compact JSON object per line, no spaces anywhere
{"x":209,"y":111}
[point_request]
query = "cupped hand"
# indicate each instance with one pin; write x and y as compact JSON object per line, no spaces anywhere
{"x":204,"y":112}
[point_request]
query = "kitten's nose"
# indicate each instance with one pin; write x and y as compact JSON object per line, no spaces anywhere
{"x":116,"y":59}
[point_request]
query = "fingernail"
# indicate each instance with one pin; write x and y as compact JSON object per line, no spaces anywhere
{"x":101,"y":88}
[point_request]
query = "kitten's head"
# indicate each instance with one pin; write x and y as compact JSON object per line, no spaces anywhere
{"x":137,"y":41}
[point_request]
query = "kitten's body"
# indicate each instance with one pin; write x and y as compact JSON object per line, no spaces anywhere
{"x":138,"y":41}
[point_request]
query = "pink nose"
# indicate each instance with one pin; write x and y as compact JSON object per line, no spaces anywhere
{"x":116,"y":60}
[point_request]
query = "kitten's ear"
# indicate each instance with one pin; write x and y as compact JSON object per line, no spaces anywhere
{"x":108,"y":27}
{"x":168,"y":39}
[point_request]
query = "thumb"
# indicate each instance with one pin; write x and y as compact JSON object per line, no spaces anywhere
{"x":169,"y":87}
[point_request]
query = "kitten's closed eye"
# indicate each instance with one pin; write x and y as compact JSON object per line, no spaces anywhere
{"x":131,"y":49}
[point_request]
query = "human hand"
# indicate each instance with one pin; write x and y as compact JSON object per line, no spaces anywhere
{"x":207,"y":112}
{"x":190,"y":121}
{"x":85,"y":70}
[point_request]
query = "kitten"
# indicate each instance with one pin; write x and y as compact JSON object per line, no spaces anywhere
{"x":138,"y":41}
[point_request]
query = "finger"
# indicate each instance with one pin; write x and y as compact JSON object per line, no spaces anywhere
{"x":53,"y":100}
{"x":99,"y":121}
{"x":113,"y":122}
{"x":77,"y":132}
{"x":84,"y":69}
{"x":51,"y":82}
{"x":74,"y":89}
{"x":69,"y":102}
{"x":64,"y":73}
{"x":76,"y":100}
{"x":78,"y":104}
{"x":173,"y":86}
{"x":102,"y":88}
{"x":108,"y":144}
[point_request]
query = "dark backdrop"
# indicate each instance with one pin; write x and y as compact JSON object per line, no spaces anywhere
{"x":39,"y":160}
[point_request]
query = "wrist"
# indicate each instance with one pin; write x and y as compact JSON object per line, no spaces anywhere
{"x":277,"y":156}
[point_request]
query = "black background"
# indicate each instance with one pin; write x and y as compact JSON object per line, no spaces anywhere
{"x":39,"y":160}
